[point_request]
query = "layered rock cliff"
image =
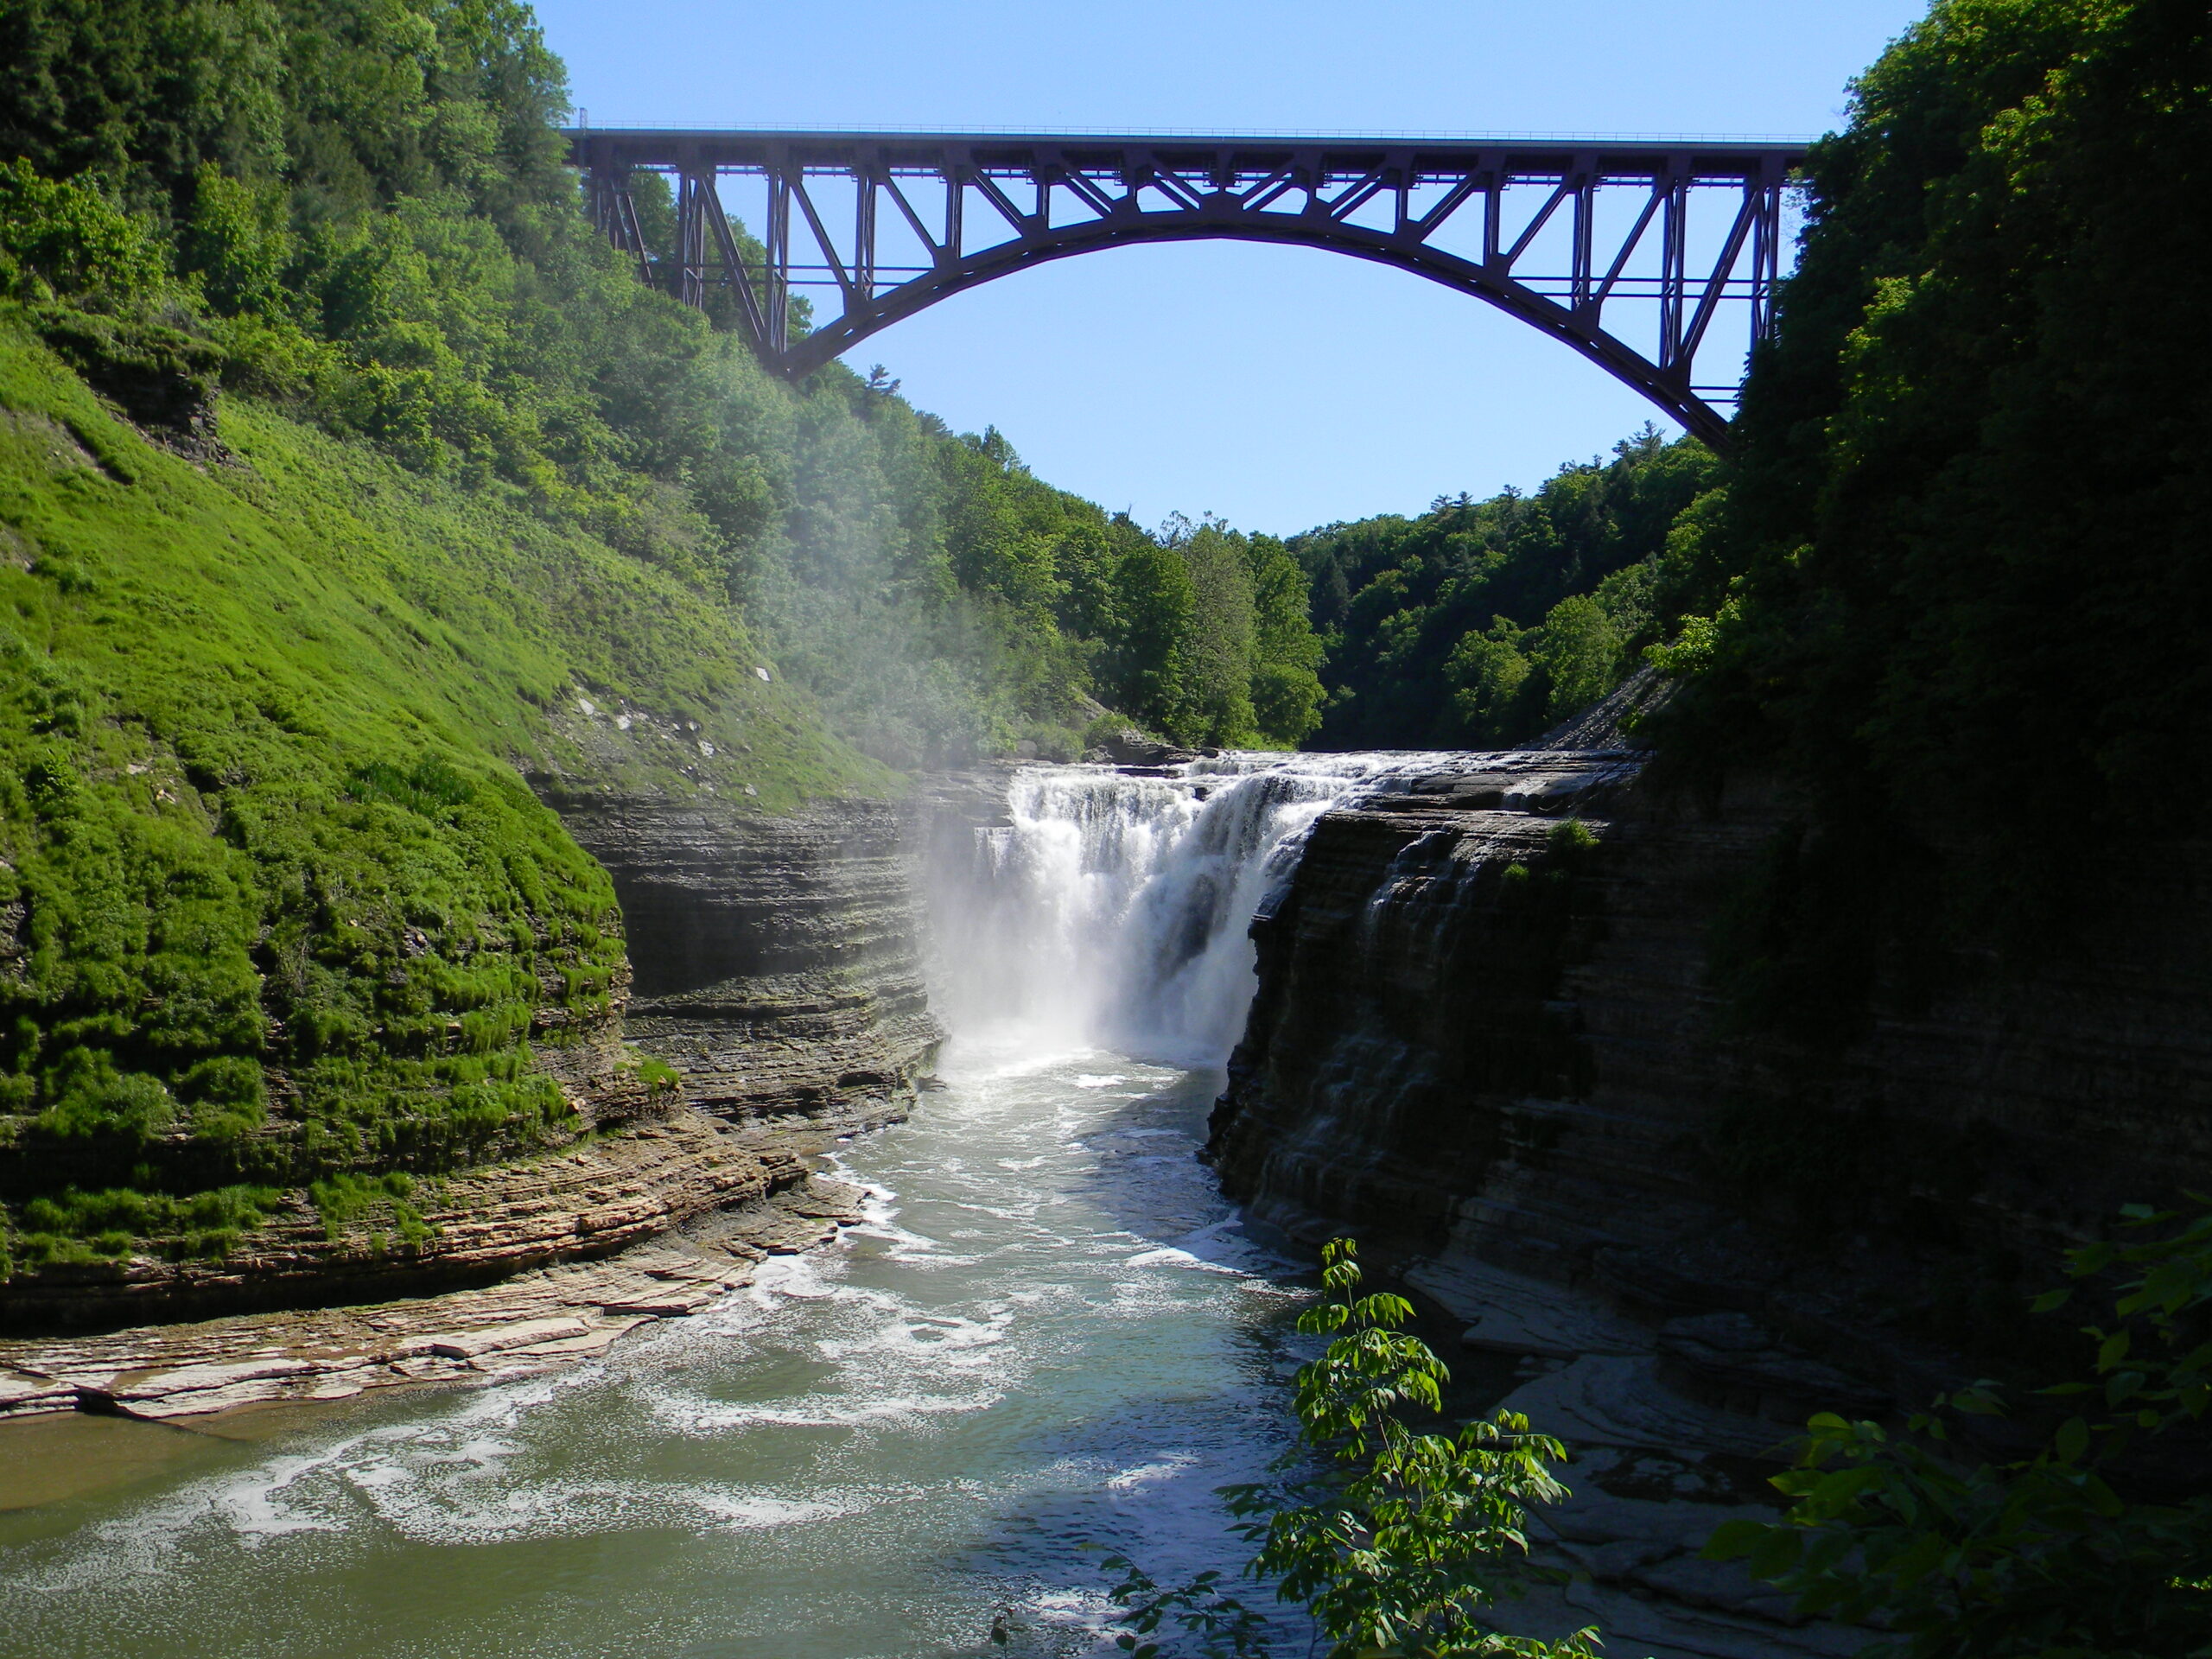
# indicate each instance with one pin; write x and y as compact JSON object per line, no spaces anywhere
{"x":777,"y":960}
{"x":1480,"y":1041}
{"x":773,"y":962}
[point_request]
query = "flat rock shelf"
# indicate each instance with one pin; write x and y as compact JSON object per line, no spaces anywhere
{"x":529,"y":1322}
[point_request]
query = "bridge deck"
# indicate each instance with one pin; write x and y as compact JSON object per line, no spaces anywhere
{"x":1514,"y":221}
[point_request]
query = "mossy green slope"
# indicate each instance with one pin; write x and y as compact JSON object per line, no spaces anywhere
{"x":275,"y":899}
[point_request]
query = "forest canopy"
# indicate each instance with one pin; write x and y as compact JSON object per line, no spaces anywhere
{"x":361,"y":210}
{"x":1479,"y":624}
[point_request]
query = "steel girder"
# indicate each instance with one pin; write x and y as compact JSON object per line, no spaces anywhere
{"x":1554,"y":233}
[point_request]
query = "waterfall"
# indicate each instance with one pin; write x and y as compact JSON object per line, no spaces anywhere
{"x":1112,"y":910}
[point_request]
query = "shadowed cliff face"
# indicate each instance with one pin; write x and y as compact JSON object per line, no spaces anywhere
{"x":1531,"y":1072}
{"x":777,"y":960}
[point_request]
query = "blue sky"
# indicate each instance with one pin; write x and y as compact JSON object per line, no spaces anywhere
{"x":1279,"y":387}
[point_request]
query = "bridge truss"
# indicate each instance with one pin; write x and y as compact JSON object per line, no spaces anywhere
{"x":1644,"y":257}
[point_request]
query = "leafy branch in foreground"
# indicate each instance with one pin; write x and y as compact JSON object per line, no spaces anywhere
{"x":2040,"y":1555}
{"x":1222,"y":1624}
{"x":1420,"y":1533}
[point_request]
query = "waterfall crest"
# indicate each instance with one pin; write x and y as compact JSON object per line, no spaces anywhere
{"x":1112,"y":909}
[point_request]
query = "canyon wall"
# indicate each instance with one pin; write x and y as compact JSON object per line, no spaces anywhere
{"x":777,"y":961}
{"x":773,"y":962}
{"x":1479,"y":1041}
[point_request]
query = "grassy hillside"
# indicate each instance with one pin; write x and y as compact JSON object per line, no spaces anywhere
{"x":361,"y":208}
{"x":275,"y":903}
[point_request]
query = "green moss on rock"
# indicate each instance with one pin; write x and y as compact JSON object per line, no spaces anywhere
{"x":276,"y":902}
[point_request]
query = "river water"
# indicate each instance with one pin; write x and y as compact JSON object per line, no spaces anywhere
{"x":1052,"y":1339}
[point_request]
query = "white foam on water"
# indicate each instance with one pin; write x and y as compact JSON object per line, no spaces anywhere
{"x":1151,"y":1474}
{"x":1170,"y":1256}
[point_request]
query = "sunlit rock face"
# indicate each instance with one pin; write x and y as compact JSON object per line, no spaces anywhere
{"x":777,"y":960}
{"x":1489,"y":1069}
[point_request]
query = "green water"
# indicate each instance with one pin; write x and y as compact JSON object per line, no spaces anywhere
{"x":1051,"y":1335}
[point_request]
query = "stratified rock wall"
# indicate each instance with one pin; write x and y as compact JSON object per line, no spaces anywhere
{"x":1532,"y":1073}
{"x":618,"y":1188}
{"x":777,"y":960}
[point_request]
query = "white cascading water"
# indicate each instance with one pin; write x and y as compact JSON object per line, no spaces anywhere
{"x":1113,"y":912}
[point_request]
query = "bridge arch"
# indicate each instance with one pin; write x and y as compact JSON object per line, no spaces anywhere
{"x":1531,"y":237}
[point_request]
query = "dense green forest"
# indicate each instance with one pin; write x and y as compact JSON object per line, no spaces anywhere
{"x":358,"y":209}
{"x":1481,"y":623}
{"x":1965,"y":508}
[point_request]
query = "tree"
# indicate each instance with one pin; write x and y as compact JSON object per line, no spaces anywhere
{"x":1579,"y":651}
{"x":1218,"y":650}
{"x":1153,"y":602}
{"x":1286,"y":654}
{"x":1417,"y":1538}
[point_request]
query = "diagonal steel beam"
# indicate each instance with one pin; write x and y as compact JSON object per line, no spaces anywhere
{"x":1628,"y":246}
{"x":1716,"y":284}
{"x":1530,"y":230}
{"x":987,"y":186}
{"x":830,"y":254}
{"x":738,"y":277}
{"x":1174,"y":189}
{"x":1454,"y":199}
{"x":936,"y":250}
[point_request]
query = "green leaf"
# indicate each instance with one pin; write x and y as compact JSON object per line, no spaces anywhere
{"x":2102,"y":1499}
{"x":1733,"y":1538}
{"x":2072,"y":1440}
{"x":1776,"y":1553}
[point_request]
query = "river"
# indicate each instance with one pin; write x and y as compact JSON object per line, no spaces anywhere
{"x":1051,"y":1339}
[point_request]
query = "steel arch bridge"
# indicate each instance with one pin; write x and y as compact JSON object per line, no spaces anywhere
{"x":1640,"y":255}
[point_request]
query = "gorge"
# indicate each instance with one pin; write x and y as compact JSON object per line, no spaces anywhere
{"x":1044,"y":1330}
{"x":649,"y":1007}
{"x":1043,"y":1327}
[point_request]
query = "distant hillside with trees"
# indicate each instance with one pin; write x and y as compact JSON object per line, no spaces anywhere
{"x":1480,"y":623}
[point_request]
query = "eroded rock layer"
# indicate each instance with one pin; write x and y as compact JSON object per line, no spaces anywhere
{"x":574,"y":1310}
{"x":621,"y":1187}
{"x":777,"y":960}
{"x":1479,"y":1041}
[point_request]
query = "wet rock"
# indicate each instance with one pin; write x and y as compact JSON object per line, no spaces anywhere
{"x":1510,"y":1313}
{"x":1729,"y":1358}
{"x":532,"y":1321}
{"x":1130,"y":747}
